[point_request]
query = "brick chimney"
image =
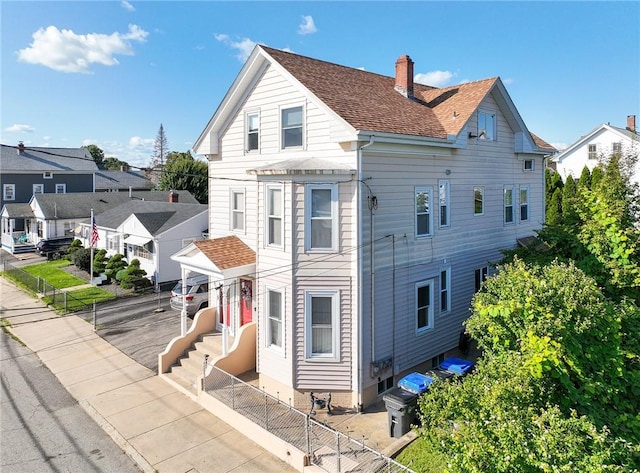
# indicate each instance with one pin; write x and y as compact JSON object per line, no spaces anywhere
{"x":631,"y":122}
{"x":173,"y":197}
{"x":404,"y":76}
{"x":20,"y":147}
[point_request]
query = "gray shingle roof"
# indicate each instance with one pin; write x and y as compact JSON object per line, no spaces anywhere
{"x":78,"y":205}
{"x":18,"y":210}
{"x":38,"y":159}
{"x":123,"y":180}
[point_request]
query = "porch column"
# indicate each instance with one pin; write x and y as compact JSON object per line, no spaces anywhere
{"x":183,"y":312}
{"x":225,"y":322}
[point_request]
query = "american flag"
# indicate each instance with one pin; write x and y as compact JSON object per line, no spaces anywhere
{"x":94,"y":233}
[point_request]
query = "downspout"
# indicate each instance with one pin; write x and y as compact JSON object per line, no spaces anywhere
{"x":360,"y":381}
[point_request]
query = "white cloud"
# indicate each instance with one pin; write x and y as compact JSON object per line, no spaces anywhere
{"x":66,"y":51}
{"x":243,"y":46}
{"x":508,"y":81}
{"x":127,"y":6}
{"x":18,"y":128}
{"x":141,"y":144}
{"x":307,"y":26}
{"x":435,"y":78}
{"x":559,"y":146}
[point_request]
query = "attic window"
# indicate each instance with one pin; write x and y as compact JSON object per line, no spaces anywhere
{"x":47,"y":175}
{"x":291,"y":124}
{"x":528,"y":165}
{"x":486,"y":125}
{"x":253,"y":131}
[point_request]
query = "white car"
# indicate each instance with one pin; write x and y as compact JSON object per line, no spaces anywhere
{"x":197,"y":294}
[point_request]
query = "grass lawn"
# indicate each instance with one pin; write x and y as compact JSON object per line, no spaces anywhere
{"x":81,"y":298}
{"x":423,"y":456}
{"x":51,"y":272}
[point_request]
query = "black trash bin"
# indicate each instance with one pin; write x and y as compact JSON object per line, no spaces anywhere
{"x":401,"y":410}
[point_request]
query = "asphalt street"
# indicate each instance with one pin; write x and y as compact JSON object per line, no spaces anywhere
{"x":43,"y":428}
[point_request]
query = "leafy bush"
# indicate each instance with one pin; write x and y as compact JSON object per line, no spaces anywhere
{"x":115,"y":264}
{"x":75,"y":246}
{"x":133,"y":277}
{"x":99,"y":262}
{"x":82,"y":259}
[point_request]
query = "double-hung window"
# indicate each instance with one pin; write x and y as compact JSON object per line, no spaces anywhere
{"x":593,"y":151}
{"x":274,"y":216}
{"x":616,"y":148}
{"x":423,"y":213}
{"x":443,"y":202}
{"x":445,"y":290}
{"x":9,"y":192}
{"x":322,"y":325}
{"x":424,"y":306}
{"x":292,"y":127}
{"x":253,"y":131}
{"x":486,"y":125}
{"x":275,"y":326}
{"x":38,"y":188}
{"x":508,"y":204}
{"x":237,"y":210}
{"x":321,"y":217}
{"x":480,"y":276}
{"x":524,"y":203}
{"x":61,"y":188}
{"x":478,"y":200}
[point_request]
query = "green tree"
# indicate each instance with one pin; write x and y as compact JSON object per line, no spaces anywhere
{"x":160,"y":148}
{"x":99,"y":261}
{"x":133,"y":277}
{"x":596,"y":175}
{"x":115,"y":264}
{"x":569,"y":207}
{"x":114,"y":164}
{"x":585,"y":179}
{"x":81,"y":257}
{"x":554,"y":208}
{"x":182,"y":171}
{"x":96,"y":153}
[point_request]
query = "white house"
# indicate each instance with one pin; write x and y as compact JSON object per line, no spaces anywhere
{"x":601,"y":142}
{"x":150,"y":232}
{"x":364,"y":211}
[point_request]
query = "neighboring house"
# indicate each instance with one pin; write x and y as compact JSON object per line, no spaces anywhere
{"x":353,"y":216}
{"x":601,"y":142}
{"x":119,"y":181}
{"x":57,"y":215}
{"x":150,"y":231}
{"x":25,"y":171}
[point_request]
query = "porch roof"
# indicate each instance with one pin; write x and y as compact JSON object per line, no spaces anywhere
{"x":226,"y":258}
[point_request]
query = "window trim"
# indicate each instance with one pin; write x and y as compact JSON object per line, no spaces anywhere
{"x":480,"y":275}
{"x":526,"y":204}
{"x":482,"y":134}
{"x":446,"y":271}
{"x":268,"y":317}
{"x":429,"y":191}
{"x":301,"y":126}
{"x":592,"y":153}
{"x":335,"y":231}
{"x":38,"y":186}
{"x":249,"y":131}
{"x":61,"y":186}
{"x":47,"y":175}
{"x":269,"y":217}
{"x":475,"y":190}
{"x":505,"y":205}
{"x":233,"y":211}
{"x":618,"y":145}
{"x":6,"y":192}
{"x":529,"y":168}
{"x":429,"y":283}
{"x":447,"y":203}
{"x":335,"y":325}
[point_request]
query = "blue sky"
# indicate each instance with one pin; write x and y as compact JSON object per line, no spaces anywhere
{"x":109,"y":73}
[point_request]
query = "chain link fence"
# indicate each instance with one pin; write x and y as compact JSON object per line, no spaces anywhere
{"x":327,"y":448}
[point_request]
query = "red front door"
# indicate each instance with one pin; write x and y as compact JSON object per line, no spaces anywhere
{"x":246,"y":301}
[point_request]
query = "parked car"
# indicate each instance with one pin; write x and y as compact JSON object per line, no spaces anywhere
{"x":197,"y":294}
{"x":53,"y":247}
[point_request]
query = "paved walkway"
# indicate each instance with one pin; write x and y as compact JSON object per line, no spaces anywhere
{"x":161,"y":429}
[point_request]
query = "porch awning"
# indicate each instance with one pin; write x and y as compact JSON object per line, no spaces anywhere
{"x":224,"y":258}
{"x":137,"y":240}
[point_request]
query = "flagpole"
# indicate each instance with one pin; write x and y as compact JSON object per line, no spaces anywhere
{"x":91,"y":243}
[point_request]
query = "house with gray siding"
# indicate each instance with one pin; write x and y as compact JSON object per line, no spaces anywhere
{"x":354,"y":215}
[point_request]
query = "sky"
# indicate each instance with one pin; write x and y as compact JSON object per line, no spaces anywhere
{"x":110,"y":73}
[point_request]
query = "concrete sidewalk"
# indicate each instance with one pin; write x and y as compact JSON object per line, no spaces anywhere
{"x":160,"y":428}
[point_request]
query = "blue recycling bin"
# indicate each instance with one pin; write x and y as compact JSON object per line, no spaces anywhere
{"x":457,"y":366}
{"x":415,"y":383}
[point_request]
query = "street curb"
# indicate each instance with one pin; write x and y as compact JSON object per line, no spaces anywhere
{"x":138,"y":459}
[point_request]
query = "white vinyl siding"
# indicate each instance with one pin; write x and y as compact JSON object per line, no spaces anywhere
{"x":321,"y":222}
{"x":423,"y":213}
{"x":322,"y":325}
